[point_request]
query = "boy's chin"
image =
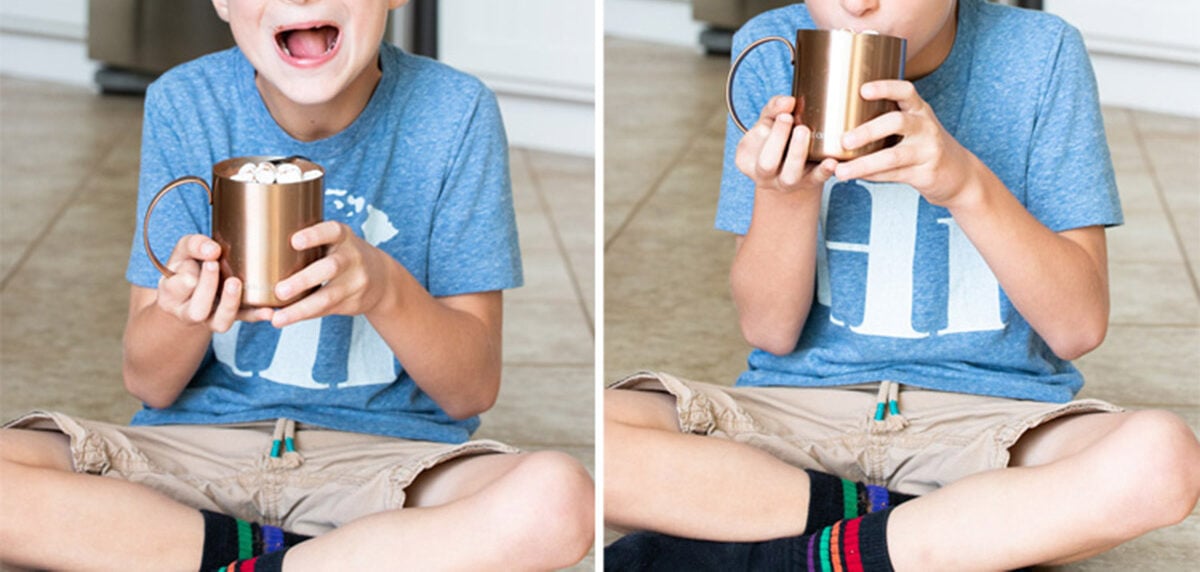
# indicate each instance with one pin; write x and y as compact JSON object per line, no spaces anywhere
{"x":305,"y":93}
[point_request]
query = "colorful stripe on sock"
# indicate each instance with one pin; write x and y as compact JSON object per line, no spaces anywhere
{"x":878,"y":497}
{"x":245,"y":540}
{"x":272,"y":538}
{"x":849,"y":499}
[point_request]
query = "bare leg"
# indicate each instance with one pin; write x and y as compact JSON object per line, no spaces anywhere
{"x":53,"y":518}
{"x":513,"y":512}
{"x":657,"y":478}
{"x":1098,"y":480}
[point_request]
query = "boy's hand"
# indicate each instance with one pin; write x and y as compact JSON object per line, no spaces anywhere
{"x":352,"y":276}
{"x":191,"y":293}
{"x":766,"y":156}
{"x":928,"y":158}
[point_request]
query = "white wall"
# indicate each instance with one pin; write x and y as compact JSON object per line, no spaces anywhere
{"x":1146,"y":54}
{"x":538,"y":56}
{"x":661,"y":21}
{"x":45,"y":39}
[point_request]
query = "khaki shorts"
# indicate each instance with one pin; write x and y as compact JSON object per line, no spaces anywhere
{"x":328,"y":479}
{"x":934,"y":438}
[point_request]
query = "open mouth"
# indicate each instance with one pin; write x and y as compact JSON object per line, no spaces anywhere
{"x":307,"y":42}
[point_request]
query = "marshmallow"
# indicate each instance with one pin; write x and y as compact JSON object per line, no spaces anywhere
{"x":264,"y":173}
{"x":310,"y":175}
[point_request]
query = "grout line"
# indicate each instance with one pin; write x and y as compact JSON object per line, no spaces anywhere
{"x":558,"y":242}
{"x":658,"y":181}
{"x":1162,"y":199}
{"x":72,"y":199}
{"x":547,"y":365}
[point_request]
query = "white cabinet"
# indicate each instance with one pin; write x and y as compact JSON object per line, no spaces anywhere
{"x":539,"y":58}
{"x":1146,"y":54}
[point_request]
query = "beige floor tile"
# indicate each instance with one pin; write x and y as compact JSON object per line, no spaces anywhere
{"x":546,"y":333}
{"x":1146,"y":236}
{"x":583,"y":268}
{"x":667,"y":303}
{"x":1188,"y":225}
{"x":64,"y":312}
{"x":1138,"y":190}
{"x":1153,"y":293}
{"x":546,"y":278}
{"x":543,"y":406}
{"x":534,"y":231}
{"x":1145,"y":365}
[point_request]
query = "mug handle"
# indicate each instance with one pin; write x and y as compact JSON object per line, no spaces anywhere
{"x":167,"y":272}
{"x":737,"y":62}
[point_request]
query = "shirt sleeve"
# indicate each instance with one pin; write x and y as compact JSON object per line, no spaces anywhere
{"x":763,"y":74}
{"x":474,"y":246}
{"x":1070,"y":180}
{"x":183,"y":211}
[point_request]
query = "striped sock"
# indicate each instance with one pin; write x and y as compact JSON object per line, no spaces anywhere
{"x":272,"y":562}
{"x":227,"y":539}
{"x":831,"y":499}
{"x":854,"y":545}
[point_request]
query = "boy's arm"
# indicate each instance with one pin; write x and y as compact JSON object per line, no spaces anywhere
{"x":450,"y":345}
{"x":772,"y":276}
{"x":1057,"y":281}
{"x":169,"y":328}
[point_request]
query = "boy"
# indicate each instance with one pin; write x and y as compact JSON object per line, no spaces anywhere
{"x":345,"y":414}
{"x":965,"y":265}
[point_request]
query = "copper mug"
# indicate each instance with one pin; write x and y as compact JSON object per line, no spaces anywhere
{"x":829,"y":69}
{"x":254,"y":223}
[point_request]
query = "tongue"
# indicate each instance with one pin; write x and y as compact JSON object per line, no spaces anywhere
{"x":310,"y":43}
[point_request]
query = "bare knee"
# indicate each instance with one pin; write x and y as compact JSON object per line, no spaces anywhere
{"x":649,"y":409}
{"x":554,"y":504}
{"x":1155,"y":478}
{"x":43,"y":449}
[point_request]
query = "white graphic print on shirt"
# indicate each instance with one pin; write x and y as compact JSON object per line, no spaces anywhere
{"x":973,"y":302}
{"x":370,"y":360}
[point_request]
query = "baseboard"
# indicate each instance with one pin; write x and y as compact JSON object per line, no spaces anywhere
{"x":1149,"y":85}
{"x":549,"y":124}
{"x":46,"y":57}
{"x":658,"y":21}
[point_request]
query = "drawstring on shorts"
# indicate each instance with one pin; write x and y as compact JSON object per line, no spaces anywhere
{"x":887,"y":407}
{"x":283,"y":445}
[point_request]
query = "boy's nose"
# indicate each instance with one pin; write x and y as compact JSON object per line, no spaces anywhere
{"x":859,"y":8}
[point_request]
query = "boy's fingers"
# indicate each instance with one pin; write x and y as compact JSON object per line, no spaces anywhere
{"x":227,"y":308}
{"x":797,"y":155}
{"x":200,"y":306}
{"x":197,"y":247}
{"x":179,"y":287}
{"x":772,"y":150}
{"x":310,"y":306}
{"x":823,"y":171}
{"x":867,"y":166}
{"x":904,"y":93}
{"x":891,"y":123}
{"x":315,"y":274}
{"x":326,"y":232}
{"x":778,"y":104}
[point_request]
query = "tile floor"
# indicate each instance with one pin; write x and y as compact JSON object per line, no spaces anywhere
{"x":666,"y":297}
{"x":68,"y":183}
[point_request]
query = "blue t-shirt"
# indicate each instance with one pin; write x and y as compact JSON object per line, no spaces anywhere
{"x":902,"y":294}
{"x":422,"y":174}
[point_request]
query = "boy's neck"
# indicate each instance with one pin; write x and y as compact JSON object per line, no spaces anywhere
{"x":318,"y":121}
{"x":936,"y":51}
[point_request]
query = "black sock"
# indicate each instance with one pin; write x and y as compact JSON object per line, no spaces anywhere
{"x":857,"y":545}
{"x":831,"y":499}
{"x":272,"y":562}
{"x":227,"y":539}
